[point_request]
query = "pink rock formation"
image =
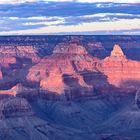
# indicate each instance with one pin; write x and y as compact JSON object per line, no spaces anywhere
{"x":66,"y":60}
{"x":71,"y":70}
{"x":119,"y":69}
{"x":18,"y":89}
{"x":6,"y":61}
{"x":72,"y":48}
{"x":73,"y":61}
{"x":8,"y":52}
{"x":116,"y":54}
{"x":1,"y":76}
{"x":117,"y":51}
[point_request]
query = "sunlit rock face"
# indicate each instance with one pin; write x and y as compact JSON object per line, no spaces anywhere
{"x":72,"y":48}
{"x":54,"y":83}
{"x":5,"y":61}
{"x":117,"y":51}
{"x":72,"y":64}
{"x":72,"y":71}
{"x":21,"y":91}
{"x":14,"y":90}
{"x":8,"y":53}
{"x":19,"y":51}
{"x":116,"y":54}
{"x":120,"y":70}
{"x":65,"y":64}
{"x":1,"y":76}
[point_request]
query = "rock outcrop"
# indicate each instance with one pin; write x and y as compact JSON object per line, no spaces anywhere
{"x":117,"y":51}
{"x":71,"y":48}
{"x":72,"y":71}
{"x":137,"y":98}
{"x":119,"y":69}
{"x":19,"y":90}
{"x":8,"y":53}
{"x":65,"y":64}
{"x":72,"y":64}
{"x":116,"y":54}
{"x":17,"y":120}
{"x":14,"y":107}
{"x":96,"y":91}
{"x":1,"y":75}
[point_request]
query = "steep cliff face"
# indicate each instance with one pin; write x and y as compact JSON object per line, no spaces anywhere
{"x":70,"y":73}
{"x":8,"y":53}
{"x":117,"y":52}
{"x":119,"y":69}
{"x":72,"y":48}
{"x":1,"y":75}
{"x":57,"y":72}
{"x":70,"y":69}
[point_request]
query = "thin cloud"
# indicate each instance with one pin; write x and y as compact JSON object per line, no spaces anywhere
{"x":75,"y":16}
{"x":107,"y":27}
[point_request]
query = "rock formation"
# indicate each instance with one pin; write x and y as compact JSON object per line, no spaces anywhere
{"x":72,"y":64}
{"x":137,"y":98}
{"x":1,"y":76}
{"x":66,"y":62}
{"x":17,"y":120}
{"x":71,"y":49}
{"x":116,"y":54}
{"x":71,"y":70}
{"x":117,"y":51}
{"x":119,"y":69}
{"x":69,"y":88}
{"x":8,"y":53}
{"x":14,"y":107}
{"x":22,"y":91}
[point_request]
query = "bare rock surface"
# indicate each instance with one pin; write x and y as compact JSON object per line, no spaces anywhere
{"x":120,"y":70}
{"x":17,"y":120}
{"x":65,"y":64}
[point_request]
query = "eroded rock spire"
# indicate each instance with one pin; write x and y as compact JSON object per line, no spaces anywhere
{"x":117,"y":51}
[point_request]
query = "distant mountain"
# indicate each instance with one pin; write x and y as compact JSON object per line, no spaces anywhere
{"x":99,"y":46}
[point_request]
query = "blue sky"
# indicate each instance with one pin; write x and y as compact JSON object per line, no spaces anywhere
{"x":69,"y":17}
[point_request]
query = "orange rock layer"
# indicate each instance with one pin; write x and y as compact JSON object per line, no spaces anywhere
{"x":71,"y":70}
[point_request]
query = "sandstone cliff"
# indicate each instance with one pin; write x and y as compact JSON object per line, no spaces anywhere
{"x":119,"y":69}
{"x":65,"y":64}
{"x":8,"y":53}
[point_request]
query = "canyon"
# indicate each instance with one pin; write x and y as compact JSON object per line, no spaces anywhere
{"x":69,"y":87}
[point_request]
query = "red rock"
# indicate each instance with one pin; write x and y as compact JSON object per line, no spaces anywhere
{"x":72,"y":48}
{"x":8,"y":52}
{"x":65,"y":60}
{"x":71,"y":70}
{"x":19,"y":89}
{"x":119,"y":69}
{"x":117,"y":51}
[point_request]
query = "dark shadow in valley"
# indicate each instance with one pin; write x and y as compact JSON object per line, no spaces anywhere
{"x":98,"y":80}
{"x":132,"y":83}
{"x":16,"y":73}
{"x":75,"y":89}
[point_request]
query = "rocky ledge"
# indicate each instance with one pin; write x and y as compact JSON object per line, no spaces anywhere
{"x":14,"y":107}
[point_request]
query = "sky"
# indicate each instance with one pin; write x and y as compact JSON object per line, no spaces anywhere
{"x":54,"y":17}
